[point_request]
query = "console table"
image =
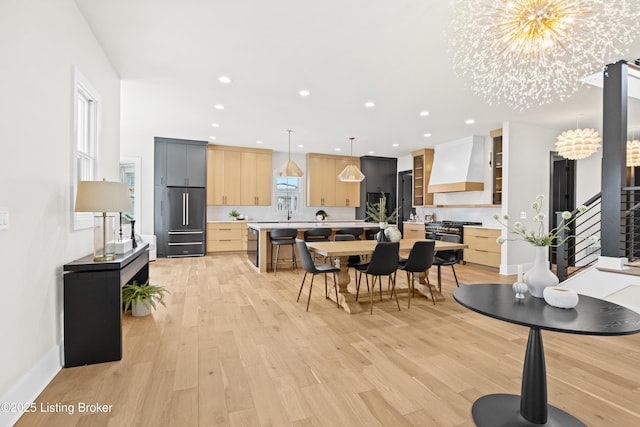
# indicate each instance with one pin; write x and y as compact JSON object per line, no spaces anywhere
{"x":591,"y":316}
{"x":93,"y":305}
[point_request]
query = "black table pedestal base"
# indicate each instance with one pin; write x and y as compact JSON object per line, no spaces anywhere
{"x":503,"y":410}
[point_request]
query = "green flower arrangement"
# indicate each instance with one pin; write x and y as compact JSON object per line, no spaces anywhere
{"x":538,"y":236}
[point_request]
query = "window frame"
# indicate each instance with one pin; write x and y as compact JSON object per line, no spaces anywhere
{"x":83,"y":90}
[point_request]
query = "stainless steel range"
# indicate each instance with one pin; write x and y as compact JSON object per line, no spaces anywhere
{"x":435,"y":229}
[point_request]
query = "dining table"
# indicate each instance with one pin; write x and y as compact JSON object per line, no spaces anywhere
{"x":342,"y":250}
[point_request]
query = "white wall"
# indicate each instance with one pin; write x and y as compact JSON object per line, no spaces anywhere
{"x":40,"y":40}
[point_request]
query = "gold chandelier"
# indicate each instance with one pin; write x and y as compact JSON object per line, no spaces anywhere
{"x":532,"y":52}
{"x":578,"y":144}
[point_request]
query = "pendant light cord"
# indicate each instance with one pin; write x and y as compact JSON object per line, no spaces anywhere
{"x":289,"y":130}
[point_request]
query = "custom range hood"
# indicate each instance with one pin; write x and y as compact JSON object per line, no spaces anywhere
{"x":458,"y":166}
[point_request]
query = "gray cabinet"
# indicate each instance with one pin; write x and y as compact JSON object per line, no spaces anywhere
{"x":186,"y":165}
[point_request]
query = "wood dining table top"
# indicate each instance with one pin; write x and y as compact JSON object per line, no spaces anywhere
{"x":366,"y":247}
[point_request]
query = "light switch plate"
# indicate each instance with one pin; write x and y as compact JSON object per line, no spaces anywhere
{"x":4,"y":219}
{"x":523,"y":215}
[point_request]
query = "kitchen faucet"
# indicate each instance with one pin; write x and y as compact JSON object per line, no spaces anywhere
{"x":289,"y":214}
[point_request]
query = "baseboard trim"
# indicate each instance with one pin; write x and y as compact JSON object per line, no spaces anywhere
{"x":27,"y":389}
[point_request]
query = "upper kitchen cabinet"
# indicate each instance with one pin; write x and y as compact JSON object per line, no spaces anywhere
{"x":223,"y":176}
{"x":239,"y":176}
{"x":323,"y":186}
{"x":347,"y":193}
{"x":422,"y":163}
{"x":255,"y":183}
{"x":180,"y":163}
{"x":496,"y":165}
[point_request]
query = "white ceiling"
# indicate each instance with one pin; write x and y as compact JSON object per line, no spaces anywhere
{"x":170,"y":54}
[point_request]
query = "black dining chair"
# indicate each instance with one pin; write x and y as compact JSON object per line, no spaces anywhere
{"x":449,"y":257}
{"x":383,"y":262}
{"x":283,"y":237}
{"x":317,"y":235}
{"x":420,"y":260}
{"x":355,"y":232}
{"x":310,"y":267}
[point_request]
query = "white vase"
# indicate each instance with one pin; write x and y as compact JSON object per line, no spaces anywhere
{"x":382,"y":225}
{"x":140,"y":309}
{"x":539,"y":277}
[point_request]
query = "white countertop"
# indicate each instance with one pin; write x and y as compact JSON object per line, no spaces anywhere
{"x":309,"y":224}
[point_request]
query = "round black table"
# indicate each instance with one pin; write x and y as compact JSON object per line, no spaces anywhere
{"x":591,"y":316}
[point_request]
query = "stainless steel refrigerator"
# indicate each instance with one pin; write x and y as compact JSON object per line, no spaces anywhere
{"x":186,"y":221}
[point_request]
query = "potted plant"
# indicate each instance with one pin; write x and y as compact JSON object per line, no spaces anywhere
{"x":377,"y":212}
{"x":321,"y":215}
{"x":234,"y":214}
{"x":142,"y":298}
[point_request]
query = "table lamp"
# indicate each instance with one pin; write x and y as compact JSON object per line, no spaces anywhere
{"x":102,"y":196}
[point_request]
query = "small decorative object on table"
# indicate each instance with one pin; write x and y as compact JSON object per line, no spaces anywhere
{"x":560,"y":297}
{"x":520,"y":287}
{"x":392,"y":234}
{"x":540,"y":276}
{"x":377,"y":212}
{"x":321,"y":215}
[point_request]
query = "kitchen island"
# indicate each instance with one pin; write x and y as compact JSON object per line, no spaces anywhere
{"x":260,"y":230}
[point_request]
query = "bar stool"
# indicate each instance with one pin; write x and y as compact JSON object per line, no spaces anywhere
{"x":370,"y":233}
{"x":280,"y":237}
{"x":355,"y":232}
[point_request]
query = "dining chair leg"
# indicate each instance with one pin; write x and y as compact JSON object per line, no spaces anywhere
{"x":429,"y":286}
{"x":454,"y":275}
{"x":409,"y":288}
{"x":380,"y":286}
{"x":310,"y":289}
{"x":371,"y":292}
{"x":335,"y":286}
{"x":275,"y":269}
{"x":301,"y":286}
{"x":326,"y":294}
{"x":293,"y":255}
{"x":393,"y":290}
{"x":439,"y":280}
{"x":358,"y":279}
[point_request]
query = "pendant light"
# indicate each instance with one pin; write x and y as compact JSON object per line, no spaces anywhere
{"x":351,"y":173}
{"x":578,"y":143}
{"x":290,"y":169}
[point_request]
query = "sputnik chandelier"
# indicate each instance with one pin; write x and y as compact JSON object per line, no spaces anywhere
{"x":532,"y":52}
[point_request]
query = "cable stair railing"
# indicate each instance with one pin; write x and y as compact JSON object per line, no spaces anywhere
{"x":578,"y":252}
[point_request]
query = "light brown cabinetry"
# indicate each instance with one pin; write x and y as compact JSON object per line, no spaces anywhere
{"x":413,"y":230}
{"x":422,"y":162}
{"x":239,"y":176}
{"x":482,"y":246}
{"x":255,"y":180}
{"x":323,"y":186}
{"x":226,"y":237}
{"x":496,"y":165}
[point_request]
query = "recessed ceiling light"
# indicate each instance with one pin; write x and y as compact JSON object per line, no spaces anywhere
{"x":258,"y":142}
{"x":300,"y":145}
{"x":337,"y":149}
{"x":424,"y":113}
{"x":304,"y":92}
{"x":395,"y":145}
{"x":427,"y":135}
{"x":219,"y":107}
{"x":470,"y":121}
{"x":369,"y":104}
{"x":371,"y":152}
{"x":224,"y":79}
{"x":212,"y":137}
{"x":215,"y":125}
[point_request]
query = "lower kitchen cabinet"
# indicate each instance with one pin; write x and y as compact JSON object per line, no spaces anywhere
{"x":226,"y":237}
{"x":483,"y":248}
{"x":413,"y":230}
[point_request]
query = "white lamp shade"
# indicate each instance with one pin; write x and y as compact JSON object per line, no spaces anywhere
{"x":290,"y":170}
{"x":351,"y":173}
{"x":578,"y":144}
{"x":102,"y":196}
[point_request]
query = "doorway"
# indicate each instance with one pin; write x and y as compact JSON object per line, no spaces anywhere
{"x":562,"y":195}
{"x":405,"y":182}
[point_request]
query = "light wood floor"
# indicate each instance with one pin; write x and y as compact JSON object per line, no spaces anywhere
{"x":234,"y":348}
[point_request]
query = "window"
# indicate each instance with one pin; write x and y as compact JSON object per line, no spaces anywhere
{"x":86,"y":125}
{"x":287,"y":194}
